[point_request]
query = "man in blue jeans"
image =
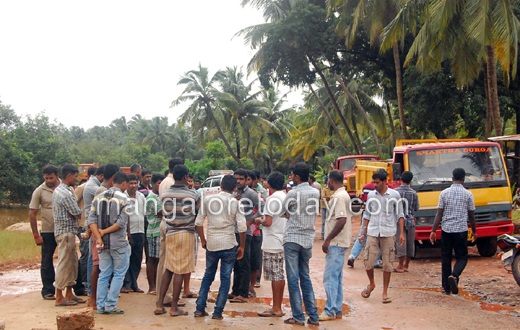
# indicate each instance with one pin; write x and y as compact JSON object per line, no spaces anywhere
{"x":302,"y":206}
{"x":108,"y":220}
{"x":222,"y":210}
{"x":338,"y":231}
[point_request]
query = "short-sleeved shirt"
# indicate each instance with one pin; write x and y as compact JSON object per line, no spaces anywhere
{"x":273,"y":235}
{"x":81,"y":202}
{"x":383,"y":212}
{"x":42,"y":197}
{"x":339,"y":206}
{"x":223,"y":213}
{"x":412,"y":204}
{"x":136,"y":211}
{"x":90,"y":192}
{"x":181,"y":206}
{"x":64,"y":202}
{"x":456,"y":201}
{"x":325,"y":192}
{"x":153,"y":206}
{"x":302,"y":204}
{"x":250,"y":201}
{"x":166,"y":184}
{"x":102,"y":188}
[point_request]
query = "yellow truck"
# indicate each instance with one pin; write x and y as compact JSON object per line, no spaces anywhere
{"x":432,"y":164}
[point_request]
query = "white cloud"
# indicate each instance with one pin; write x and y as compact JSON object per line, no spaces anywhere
{"x":87,"y":63}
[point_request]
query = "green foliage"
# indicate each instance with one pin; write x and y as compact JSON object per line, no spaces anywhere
{"x":304,"y":35}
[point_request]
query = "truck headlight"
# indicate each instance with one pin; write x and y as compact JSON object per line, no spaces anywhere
{"x":503,"y":215}
{"x":423,"y":221}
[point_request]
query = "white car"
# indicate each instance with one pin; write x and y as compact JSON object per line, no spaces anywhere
{"x":211,"y":186}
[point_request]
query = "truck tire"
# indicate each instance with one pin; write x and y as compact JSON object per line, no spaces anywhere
{"x":487,"y":246}
{"x":516,"y":268}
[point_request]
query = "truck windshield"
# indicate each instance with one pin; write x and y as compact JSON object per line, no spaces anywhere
{"x":348,"y":164}
{"x":435,"y":166}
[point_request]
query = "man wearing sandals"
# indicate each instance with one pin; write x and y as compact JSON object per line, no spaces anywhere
{"x":180,"y":207}
{"x":66,"y":214}
{"x":222,"y":211}
{"x":108,"y":220}
{"x":273,"y":224}
{"x":383,"y":210}
{"x":302,"y":206}
{"x":338,"y":232}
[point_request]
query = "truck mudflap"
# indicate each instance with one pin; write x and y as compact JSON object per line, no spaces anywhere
{"x":423,"y":233}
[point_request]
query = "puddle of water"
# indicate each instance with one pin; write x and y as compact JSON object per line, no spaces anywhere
{"x":11,"y":216}
{"x":320,"y":303}
{"x":468,"y":295}
{"x":18,"y":282}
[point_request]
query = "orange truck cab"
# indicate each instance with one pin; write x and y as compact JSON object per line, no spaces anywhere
{"x":347,"y":164}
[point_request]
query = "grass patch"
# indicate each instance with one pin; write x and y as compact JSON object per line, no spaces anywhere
{"x":516,"y":216}
{"x":18,"y":247}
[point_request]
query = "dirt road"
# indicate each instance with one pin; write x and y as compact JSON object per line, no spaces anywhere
{"x":489,"y":300}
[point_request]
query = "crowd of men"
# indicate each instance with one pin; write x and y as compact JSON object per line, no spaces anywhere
{"x":254,"y":225}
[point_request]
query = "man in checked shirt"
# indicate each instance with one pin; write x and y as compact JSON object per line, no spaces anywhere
{"x":66,"y":214}
{"x":456,"y":205}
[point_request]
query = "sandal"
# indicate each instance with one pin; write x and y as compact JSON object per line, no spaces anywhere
{"x":49,"y":296}
{"x":191,"y":295}
{"x":115,"y":311}
{"x":217,"y":317}
{"x":199,"y":314}
{"x":152,"y":292}
{"x":79,"y":300}
{"x":270,"y":314}
{"x":160,"y":312}
{"x":252,"y":294}
{"x":179,"y":312}
{"x":366,"y":292}
{"x":387,"y":300}
{"x":292,"y":320}
{"x":67,"y":303}
{"x":239,"y":300}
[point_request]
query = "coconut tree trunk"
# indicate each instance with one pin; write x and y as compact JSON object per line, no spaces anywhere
{"x":335,"y":104}
{"x":248,"y":142}
{"x":209,"y":113}
{"x":331,"y":121}
{"x":489,"y":114}
{"x":399,"y":87}
{"x":363,"y":112}
{"x":493,"y":89}
{"x":353,"y":118}
{"x":238,"y":146}
{"x":391,"y":120}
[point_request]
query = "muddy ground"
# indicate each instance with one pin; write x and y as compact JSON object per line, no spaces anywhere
{"x":489,"y":299}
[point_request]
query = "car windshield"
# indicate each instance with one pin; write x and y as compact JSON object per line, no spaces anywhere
{"x":434,"y":166}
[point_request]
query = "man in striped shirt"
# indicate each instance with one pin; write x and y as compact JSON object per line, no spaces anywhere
{"x":180,"y":207}
{"x":66,"y":214}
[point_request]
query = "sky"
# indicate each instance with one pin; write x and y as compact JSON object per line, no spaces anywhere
{"x":86,"y":63}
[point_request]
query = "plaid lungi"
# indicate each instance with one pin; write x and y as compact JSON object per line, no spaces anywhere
{"x":180,"y":253}
{"x":154,"y":246}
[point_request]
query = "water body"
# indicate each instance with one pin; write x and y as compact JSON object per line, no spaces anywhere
{"x":11,"y":216}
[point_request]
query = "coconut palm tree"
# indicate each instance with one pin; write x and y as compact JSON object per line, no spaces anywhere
{"x":201,"y":92}
{"x":468,"y":33}
{"x":374,"y":15}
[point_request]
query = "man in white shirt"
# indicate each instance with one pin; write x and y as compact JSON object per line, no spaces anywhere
{"x":222,"y":211}
{"x":338,"y":231}
{"x":273,"y":224}
{"x":383,"y":211}
{"x":137,"y":211}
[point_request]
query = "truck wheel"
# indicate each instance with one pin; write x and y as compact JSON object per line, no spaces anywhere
{"x":487,"y":246}
{"x":516,"y":268}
